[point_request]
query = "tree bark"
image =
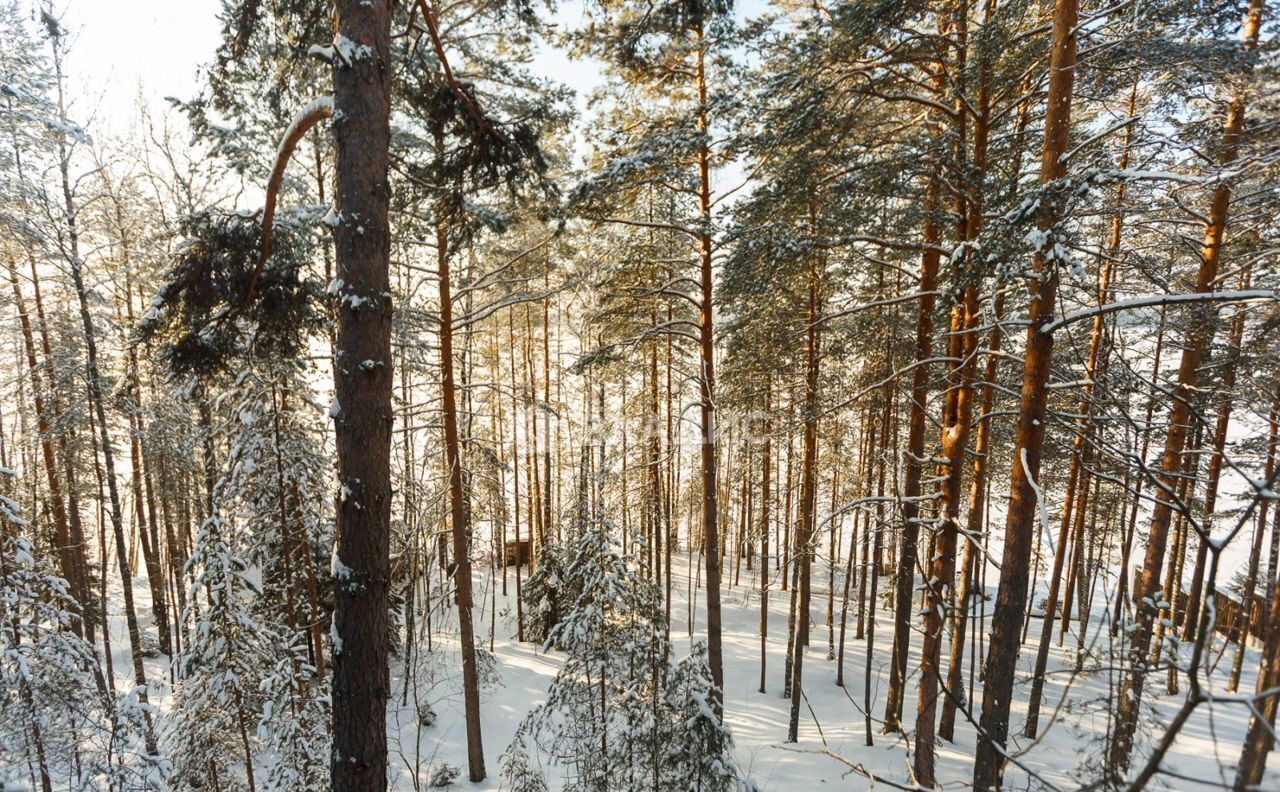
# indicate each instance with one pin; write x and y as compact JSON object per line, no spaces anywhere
{"x":362,"y":397}
{"x":766,"y":453}
{"x":808,"y":497}
{"x":1260,"y":738}
{"x":957,"y":418}
{"x":1002,"y":656}
{"x":458,"y":515}
{"x":911,"y":490}
{"x":57,"y":505}
{"x":706,"y":386}
{"x":1199,"y":336}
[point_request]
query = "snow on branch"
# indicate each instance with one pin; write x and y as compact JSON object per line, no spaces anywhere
{"x":1158,"y":300}
{"x":313,"y":113}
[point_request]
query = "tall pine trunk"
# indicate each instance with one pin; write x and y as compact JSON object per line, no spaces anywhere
{"x":808,"y":501}
{"x":362,"y":397}
{"x":459,"y":512}
{"x":903,"y":584}
{"x":1199,"y":336}
{"x":957,"y":416}
{"x":706,"y":384}
{"x":1020,"y":523}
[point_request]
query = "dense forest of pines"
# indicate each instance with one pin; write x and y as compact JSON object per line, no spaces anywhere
{"x":873,"y":394}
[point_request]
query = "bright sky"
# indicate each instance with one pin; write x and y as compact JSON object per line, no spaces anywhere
{"x":123,"y":47}
{"x":156,"y":47}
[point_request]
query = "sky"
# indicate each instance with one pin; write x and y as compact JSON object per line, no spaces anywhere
{"x":123,"y":49}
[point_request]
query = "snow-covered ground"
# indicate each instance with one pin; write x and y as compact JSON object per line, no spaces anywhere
{"x":1074,"y":719}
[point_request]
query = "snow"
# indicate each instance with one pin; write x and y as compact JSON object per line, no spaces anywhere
{"x":1074,"y":704}
{"x":321,"y":104}
{"x":1160,"y":299}
{"x":1076,"y":711}
{"x":349,"y":51}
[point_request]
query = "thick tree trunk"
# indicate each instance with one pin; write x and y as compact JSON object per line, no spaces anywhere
{"x":1080,"y":448}
{"x":957,"y":418}
{"x":973,"y":560}
{"x":1020,"y":523}
{"x":1199,"y":336}
{"x":362,"y":397}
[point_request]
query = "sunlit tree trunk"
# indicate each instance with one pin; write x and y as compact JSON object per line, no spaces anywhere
{"x":1199,"y":336}
{"x":1020,"y":523}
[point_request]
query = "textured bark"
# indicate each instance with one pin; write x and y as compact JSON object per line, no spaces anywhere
{"x":911,"y":489}
{"x":1198,"y":337}
{"x":706,"y":387}
{"x":459,"y":514}
{"x":973,"y":559}
{"x":1020,"y":523}
{"x":957,"y":416}
{"x":808,"y":499}
{"x":766,"y":457}
{"x":362,"y":398}
{"x":1080,"y":447}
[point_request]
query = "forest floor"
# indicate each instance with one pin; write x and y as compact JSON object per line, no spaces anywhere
{"x":1074,"y":719}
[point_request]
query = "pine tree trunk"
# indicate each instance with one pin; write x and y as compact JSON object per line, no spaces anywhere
{"x":1020,"y":523}
{"x":1199,"y":336}
{"x":1080,"y":448}
{"x":808,"y":498}
{"x":706,"y":384}
{"x":362,"y":398}
{"x":75,"y":522}
{"x":1260,"y":738}
{"x":957,"y":418}
{"x":875,"y":557}
{"x":1191,"y":614}
{"x":1126,"y":547}
{"x":93,"y":377}
{"x":57,"y":505}
{"x":766,"y":454}
{"x":458,"y":513}
{"x":1244,"y":618}
{"x":903,"y":584}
